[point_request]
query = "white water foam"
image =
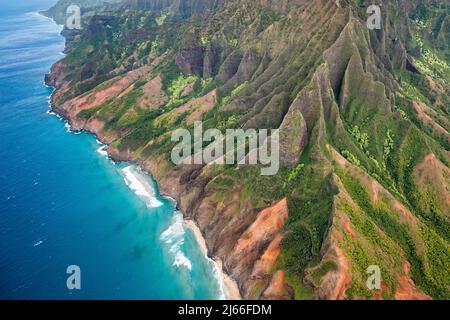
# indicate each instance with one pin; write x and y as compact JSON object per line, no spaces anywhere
{"x":217,"y":275}
{"x":67,"y":125}
{"x":69,"y":128}
{"x":137,"y":182}
{"x":38,"y":243}
{"x":217,"y":272}
{"x":174,"y":237}
{"x":51,"y":112}
{"x":103,"y":150}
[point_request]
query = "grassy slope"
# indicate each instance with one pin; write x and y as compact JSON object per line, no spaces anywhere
{"x":357,"y":115}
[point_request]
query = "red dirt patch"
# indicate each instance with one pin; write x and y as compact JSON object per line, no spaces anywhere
{"x":269,"y":221}
{"x":197,"y":107}
{"x":407,"y":289}
{"x":379,"y":294}
{"x":154,"y":96}
{"x":423,"y":112}
{"x":349,"y":229}
{"x":267,"y":261}
{"x":276,"y":289}
{"x":433,"y":174}
{"x":344,"y":275}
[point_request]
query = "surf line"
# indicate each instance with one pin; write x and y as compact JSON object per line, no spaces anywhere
{"x":138,"y":182}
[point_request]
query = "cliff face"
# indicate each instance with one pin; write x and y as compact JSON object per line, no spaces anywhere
{"x":363,"y":119}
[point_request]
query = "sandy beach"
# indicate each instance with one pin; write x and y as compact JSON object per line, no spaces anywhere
{"x":230,"y":288}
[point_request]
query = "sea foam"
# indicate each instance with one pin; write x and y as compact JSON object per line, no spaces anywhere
{"x":103,"y":150}
{"x":137,"y":182}
{"x":38,"y":243}
{"x":174,"y":237}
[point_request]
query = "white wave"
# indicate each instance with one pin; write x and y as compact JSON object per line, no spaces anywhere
{"x":52,"y":113}
{"x":217,"y":275}
{"x":67,"y":125}
{"x":137,"y":182}
{"x":103,"y":150}
{"x":174,"y":237}
{"x":182,"y":260}
{"x":69,"y":128}
{"x":37,"y":14}
{"x":38,"y":243}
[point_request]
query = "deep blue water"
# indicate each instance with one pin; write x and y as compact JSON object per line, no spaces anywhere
{"x":64,"y":203}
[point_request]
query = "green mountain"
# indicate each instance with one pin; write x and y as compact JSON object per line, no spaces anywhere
{"x":364,"y":132}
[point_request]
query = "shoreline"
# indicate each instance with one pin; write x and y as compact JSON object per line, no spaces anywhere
{"x":229,"y":286}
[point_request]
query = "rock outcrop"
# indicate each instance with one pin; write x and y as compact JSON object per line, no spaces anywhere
{"x":363,"y":119}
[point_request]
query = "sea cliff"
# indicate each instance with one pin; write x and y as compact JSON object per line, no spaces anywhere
{"x":363,"y":133}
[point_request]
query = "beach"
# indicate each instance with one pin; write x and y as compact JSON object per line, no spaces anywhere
{"x":64,"y":202}
{"x":135,"y":180}
{"x":229,"y":286}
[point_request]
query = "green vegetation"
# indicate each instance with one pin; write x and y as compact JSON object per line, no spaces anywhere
{"x":176,"y":87}
{"x":388,"y":145}
{"x":162,"y":18}
{"x":295,"y":172}
{"x":309,"y":207}
{"x":350,"y":157}
{"x":324,"y":268}
{"x":234,"y":93}
{"x":88,"y":113}
{"x":355,"y":96}
{"x":361,"y":138}
{"x":386,"y":221}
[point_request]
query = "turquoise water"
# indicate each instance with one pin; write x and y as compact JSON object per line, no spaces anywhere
{"x":62,"y":202}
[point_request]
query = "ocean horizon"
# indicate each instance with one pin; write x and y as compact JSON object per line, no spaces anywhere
{"x":63,"y":202}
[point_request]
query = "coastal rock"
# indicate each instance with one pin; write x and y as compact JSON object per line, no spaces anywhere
{"x":360,"y":178}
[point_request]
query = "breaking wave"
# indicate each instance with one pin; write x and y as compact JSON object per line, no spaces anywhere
{"x":174,"y":237}
{"x":138,"y":183}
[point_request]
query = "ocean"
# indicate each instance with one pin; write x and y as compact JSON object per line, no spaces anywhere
{"x":64,"y":203}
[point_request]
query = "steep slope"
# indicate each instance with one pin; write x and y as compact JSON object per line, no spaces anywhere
{"x":363,"y":118}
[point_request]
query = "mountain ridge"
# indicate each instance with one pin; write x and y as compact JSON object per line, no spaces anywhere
{"x":363,"y":118}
